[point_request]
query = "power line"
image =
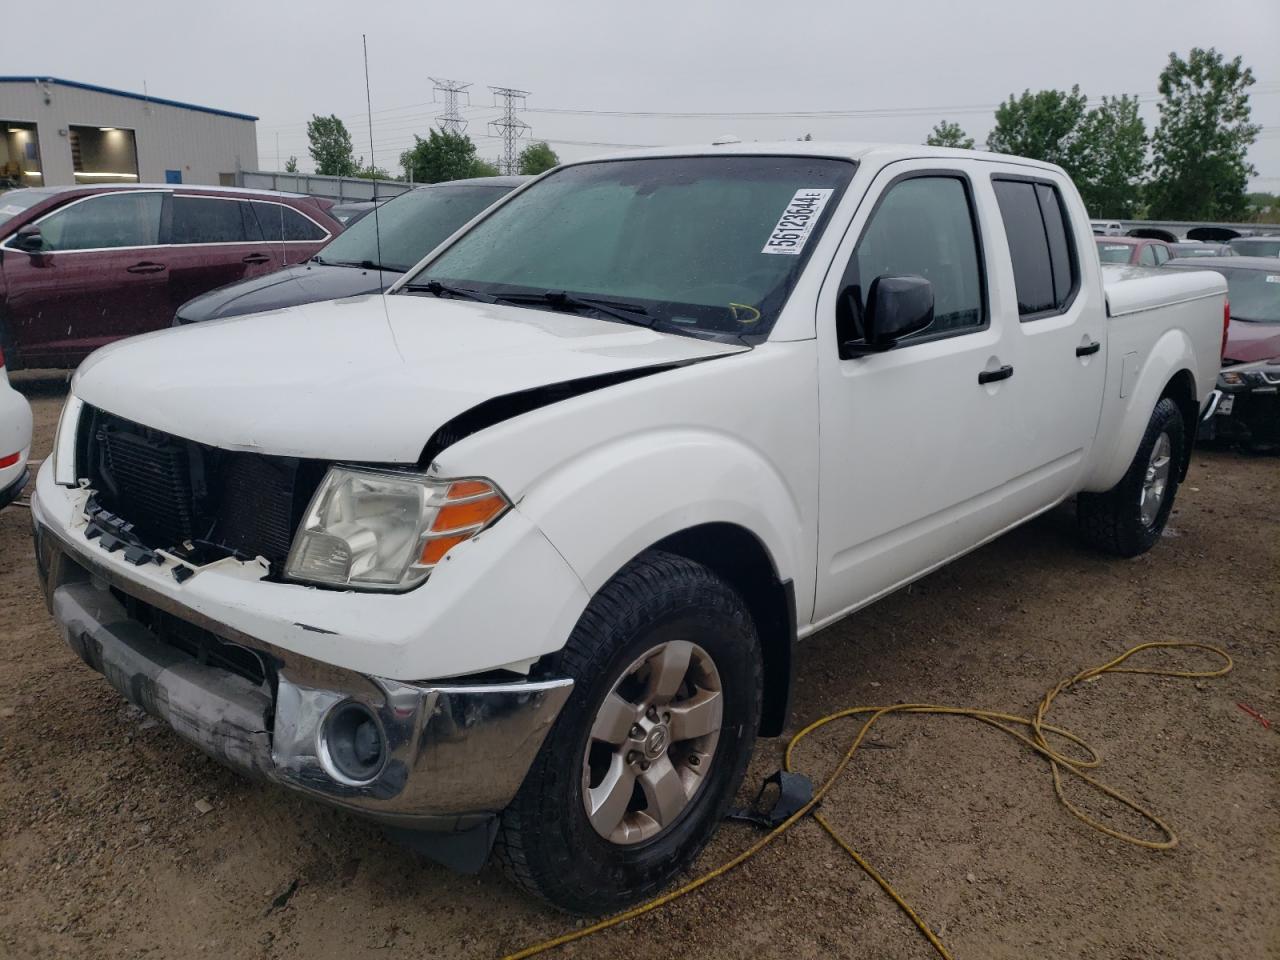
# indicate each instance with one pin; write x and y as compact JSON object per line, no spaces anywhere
{"x":451,"y":121}
{"x":511,"y":128}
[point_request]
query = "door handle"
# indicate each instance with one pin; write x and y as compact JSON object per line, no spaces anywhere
{"x":146,"y":266}
{"x":1089,"y":349}
{"x":256,"y":258}
{"x":990,"y":376}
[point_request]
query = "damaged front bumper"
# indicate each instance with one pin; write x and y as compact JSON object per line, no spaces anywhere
{"x":450,"y":756}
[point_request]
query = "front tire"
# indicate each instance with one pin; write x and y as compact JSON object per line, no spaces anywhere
{"x":650,"y":748}
{"x":1128,"y":519}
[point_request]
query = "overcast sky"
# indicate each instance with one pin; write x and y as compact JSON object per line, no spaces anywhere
{"x":893,"y":68}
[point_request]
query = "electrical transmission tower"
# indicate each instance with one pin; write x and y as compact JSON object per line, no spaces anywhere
{"x":451,"y":121}
{"x":509,"y":127}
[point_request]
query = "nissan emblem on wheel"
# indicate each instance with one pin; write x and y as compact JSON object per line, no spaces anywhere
{"x":512,"y":559}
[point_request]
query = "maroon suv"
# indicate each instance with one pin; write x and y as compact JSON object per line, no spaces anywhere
{"x":82,"y":266}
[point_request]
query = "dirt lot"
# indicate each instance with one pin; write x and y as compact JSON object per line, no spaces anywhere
{"x":106,"y":853}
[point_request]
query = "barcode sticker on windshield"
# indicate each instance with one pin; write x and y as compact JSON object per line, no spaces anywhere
{"x":797,"y":221}
{"x":1272,"y":278}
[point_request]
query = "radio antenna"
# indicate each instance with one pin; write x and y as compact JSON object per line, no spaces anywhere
{"x":368,"y":103}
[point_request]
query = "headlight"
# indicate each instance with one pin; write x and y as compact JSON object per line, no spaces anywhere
{"x":380,"y":530}
{"x":1232,"y":378}
{"x":64,"y":442}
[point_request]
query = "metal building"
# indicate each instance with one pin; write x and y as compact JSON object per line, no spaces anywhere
{"x":60,"y":132}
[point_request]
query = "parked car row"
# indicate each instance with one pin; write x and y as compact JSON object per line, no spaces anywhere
{"x":370,"y":255}
{"x":1246,"y":408}
{"x":81,"y":267}
{"x":514,"y":557}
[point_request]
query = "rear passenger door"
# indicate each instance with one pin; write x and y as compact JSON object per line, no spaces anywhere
{"x":1059,"y":346}
{"x":210,"y":246}
{"x":285,"y":235}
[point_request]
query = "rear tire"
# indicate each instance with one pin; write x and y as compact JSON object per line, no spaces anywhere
{"x":607,"y":815}
{"x":1128,"y":519}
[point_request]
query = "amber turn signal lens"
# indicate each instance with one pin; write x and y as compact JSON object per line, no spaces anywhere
{"x":455,"y":516}
{"x":434,"y":550}
{"x":467,"y":488}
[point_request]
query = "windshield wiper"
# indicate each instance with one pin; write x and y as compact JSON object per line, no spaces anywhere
{"x":632,"y":313}
{"x":436,"y":289}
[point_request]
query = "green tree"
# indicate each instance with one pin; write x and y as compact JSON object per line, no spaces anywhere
{"x":1201,"y":146}
{"x":1112,"y":154}
{"x":948,"y":134}
{"x":330,"y":147}
{"x":372,"y":172}
{"x":537,"y":158}
{"x":1044,"y":125}
{"x":444,"y":156}
{"x":291,"y":165}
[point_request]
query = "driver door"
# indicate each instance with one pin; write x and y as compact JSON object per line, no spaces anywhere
{"x":914,"y":448}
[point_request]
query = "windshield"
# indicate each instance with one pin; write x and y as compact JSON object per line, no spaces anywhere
{"x":1114,"y":252}
{"x":1254,"y":295}
{"x":411,"y":225}
{"x":15,"y":202}
{"x":703,"y":245}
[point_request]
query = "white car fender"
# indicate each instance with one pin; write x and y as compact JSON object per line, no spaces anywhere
{"x":666,"y":481}
{"x":1131,"y":396}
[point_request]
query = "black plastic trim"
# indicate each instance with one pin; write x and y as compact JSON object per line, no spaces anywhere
{"x":507,"y":406}
{"x":11,"y":492}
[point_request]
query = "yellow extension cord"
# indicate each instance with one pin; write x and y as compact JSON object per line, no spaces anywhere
{"x":1001,"y":721}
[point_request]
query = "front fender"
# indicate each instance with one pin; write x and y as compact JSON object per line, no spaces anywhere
{"x":607,"y":505}
{"x":1141,"y":383}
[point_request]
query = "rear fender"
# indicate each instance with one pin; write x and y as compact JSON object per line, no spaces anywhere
{"x":1173,"y":354}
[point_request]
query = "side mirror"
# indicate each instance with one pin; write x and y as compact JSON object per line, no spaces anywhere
{"x":897,"y":307}
{"x":29,"y":239}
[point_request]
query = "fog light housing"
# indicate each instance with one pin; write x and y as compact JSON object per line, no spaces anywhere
{"x":352,"y":745}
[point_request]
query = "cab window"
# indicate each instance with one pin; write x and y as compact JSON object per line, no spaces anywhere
{"x":109,"y":220}
{"x":923,"y":226}
{"x":1046,"y":271}
{"x":207,"y":220}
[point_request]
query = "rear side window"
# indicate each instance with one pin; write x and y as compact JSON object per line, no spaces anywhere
{"x":923,"y":227}
{"x":1045,"y":268}
{"x":206,"y":220}
{"x":109,"y":220}
{"x":276,"y":222}
{"x":1147,"y":258}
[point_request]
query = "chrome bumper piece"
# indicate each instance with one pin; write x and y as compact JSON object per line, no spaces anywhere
{"x":455,"y":754}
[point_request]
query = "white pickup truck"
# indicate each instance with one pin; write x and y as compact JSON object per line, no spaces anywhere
{"x":514,"y":556}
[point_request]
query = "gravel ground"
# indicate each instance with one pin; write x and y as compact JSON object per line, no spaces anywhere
{"x":118,"y":840}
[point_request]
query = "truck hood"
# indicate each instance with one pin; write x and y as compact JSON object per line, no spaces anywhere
{"x":1247,"y":341}
{"x":366,"y":379}
{"x":303,"y":283}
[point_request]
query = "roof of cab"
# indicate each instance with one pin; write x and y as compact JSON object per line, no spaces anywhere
{"x":882,"y":153}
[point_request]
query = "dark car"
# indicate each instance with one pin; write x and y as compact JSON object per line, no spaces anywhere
{"x":1138,"y":251}
{"x":83,"y":266}
{"x":1256,"y":246}
{"x":1247,"y":409}
{"x":349,"y":212}
{"x":370,"y":256}
{"x":1195,"y":248}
